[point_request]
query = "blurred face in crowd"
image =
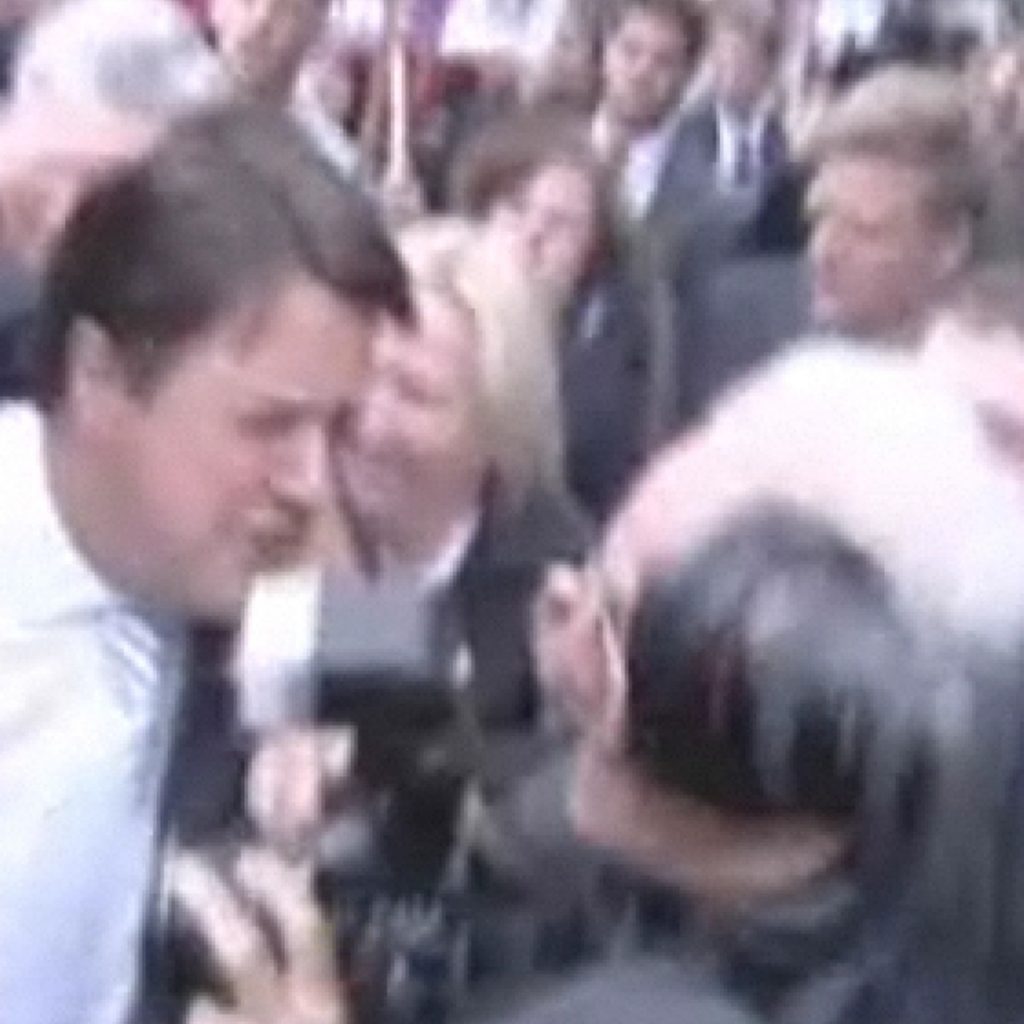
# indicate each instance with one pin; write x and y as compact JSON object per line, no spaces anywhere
{"x":879,"y":255}
{"x":418,"y":458}
{"x":219,"y":469}
{"x":646,"y":66}
{"x":552,"y":221}
{"x":264,"y":41}
{"x":986,"y":364}
{"x":741,"y":65}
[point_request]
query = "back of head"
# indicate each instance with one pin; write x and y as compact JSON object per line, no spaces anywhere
{"x":771,"y":671}
{"x":230,"y":201}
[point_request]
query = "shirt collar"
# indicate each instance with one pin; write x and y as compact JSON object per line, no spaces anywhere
{"x":651,"y":143}
{"x":53,"y":580}
{"x":438,"y":571}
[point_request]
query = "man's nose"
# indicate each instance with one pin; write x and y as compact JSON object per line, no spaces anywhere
{"x":302,"y":478}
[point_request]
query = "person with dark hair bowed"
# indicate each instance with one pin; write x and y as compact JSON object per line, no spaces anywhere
{"x":205,"y":337}
{"x":798,"y":701}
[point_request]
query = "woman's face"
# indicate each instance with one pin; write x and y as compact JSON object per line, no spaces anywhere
{"x":553,"y":223}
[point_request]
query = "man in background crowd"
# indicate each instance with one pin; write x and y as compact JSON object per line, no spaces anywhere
{"x":893,"y":204}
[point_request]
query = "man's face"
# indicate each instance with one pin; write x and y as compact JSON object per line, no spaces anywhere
{"x":645,"y":69}
{"x":264,"y":41}
{"x":222,"y":470}
{"x":741,"y":68}
{"x":879,"y":257}
{"x":418,"y":445}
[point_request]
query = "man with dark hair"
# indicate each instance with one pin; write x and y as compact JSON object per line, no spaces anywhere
{"x":651,"y":50}
{"x":792,"y":696}
{"x":205,"y":335}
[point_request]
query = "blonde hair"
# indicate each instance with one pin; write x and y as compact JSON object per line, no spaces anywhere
{"x":913,"y":116}
{"x":518,"y":395}
{"x":889,"y":455}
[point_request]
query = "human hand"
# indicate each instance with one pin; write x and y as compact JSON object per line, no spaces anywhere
{"x":288,"y":781}
{"x":293,"y":984}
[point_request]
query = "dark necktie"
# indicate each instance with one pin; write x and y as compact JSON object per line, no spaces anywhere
{"x":744,"y":170}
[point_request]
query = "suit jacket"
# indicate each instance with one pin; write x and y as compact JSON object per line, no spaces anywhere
{"x":605,"y":371}
{"x":741,"y":312}
{"x":492,"y":598}
{"x":687,"y":193}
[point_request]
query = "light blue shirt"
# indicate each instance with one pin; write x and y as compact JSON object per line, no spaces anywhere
{"x":87,"y":688}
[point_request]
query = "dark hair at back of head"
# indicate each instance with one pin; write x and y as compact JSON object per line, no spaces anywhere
{"x":773,"y":670}
{"x":228,"y":202}
{"x":689,"y":16}
{"x":766,"y":668}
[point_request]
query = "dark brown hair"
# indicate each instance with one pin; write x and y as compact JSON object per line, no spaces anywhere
{"x":689,"y":16}
{"x":231,"y":200}
{"x":505,"y":156}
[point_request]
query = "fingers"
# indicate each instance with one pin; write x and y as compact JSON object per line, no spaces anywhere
{"x":236,"y":943}
{"x":571,"y":648}
{"x":288,"y":780}
{"x":305,"y":989}
{"x":308,"y":985}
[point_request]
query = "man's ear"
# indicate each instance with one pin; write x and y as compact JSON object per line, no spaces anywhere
{"x":97,"y":386}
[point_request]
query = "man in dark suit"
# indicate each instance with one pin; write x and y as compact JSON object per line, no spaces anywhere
{"x":667,"y":656}
{"x":730,"y":147}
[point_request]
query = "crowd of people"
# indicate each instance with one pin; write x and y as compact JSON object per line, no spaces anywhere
{"x":669,"y":354}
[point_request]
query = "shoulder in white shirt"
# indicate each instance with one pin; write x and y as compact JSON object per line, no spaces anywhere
{"x":86,"y":694}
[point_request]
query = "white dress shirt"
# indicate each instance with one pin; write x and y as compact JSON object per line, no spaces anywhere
{"x":732,"y":133}
{"x":87,"y":687}
{"x":645,"y":160}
